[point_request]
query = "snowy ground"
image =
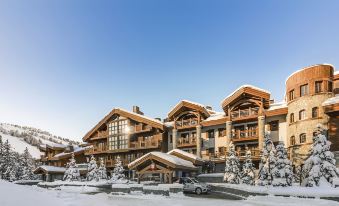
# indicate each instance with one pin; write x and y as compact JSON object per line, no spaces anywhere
{"x":14,"y":195}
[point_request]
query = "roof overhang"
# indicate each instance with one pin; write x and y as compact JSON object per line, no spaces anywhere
{"x":121,"y":112}
{"x":246,"y":91}
{"x":187,"y":105}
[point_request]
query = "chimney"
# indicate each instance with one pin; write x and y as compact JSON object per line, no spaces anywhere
{"x":158,"y":118}
{"x":136,"y":109}
{"x":271,"y":101}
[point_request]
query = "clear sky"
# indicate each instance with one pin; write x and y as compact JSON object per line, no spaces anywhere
{"x":64,"y":64}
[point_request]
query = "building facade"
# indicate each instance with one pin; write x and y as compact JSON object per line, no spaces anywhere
{"x":246,"y":115}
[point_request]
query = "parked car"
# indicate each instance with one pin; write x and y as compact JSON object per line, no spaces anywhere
{"x":193,"y":185}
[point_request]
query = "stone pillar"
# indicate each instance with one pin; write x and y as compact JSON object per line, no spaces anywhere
{"x":198,"y":140}
{"x":174,"y":138}
{"x":228,"y":133}
{"x":261,"y":131}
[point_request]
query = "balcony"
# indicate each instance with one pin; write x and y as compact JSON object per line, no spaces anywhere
{"x":241,"y":154}
{"x":111,"y":162}
{"x":245,"y":113}
{"x":245,"y":135}
{"x":187,"y":142}
{"x":100,"y":135}
{"x":140,"y":128}
{"x":146,"y":144}
{"x":187,"y":123}
{"x":95,"y":150}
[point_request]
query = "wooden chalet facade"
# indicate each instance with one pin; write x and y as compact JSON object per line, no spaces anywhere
{"x":128,"y":135}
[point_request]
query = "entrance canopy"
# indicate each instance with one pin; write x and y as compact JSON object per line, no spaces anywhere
{"x":160,"y":163}
{"x":197,"y":161}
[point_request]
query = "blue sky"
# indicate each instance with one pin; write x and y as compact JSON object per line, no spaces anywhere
{"x":64,"y":64}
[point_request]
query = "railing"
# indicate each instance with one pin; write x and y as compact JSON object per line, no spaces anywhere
{"x":142,"y":128}
{"x":101,"y":135}
{"x":184,"y":142}
{"x":255,"y":153}
{"x":245,"y":113}
{"x":150,"y":143}
{"x":247,"y":133}
{"x":112,"y":162}
{"x":94,"y":149}
{"x":186,"y":123}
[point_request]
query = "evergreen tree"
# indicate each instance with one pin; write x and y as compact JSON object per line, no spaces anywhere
{"x":282,"y":172}
{"x":8,"y":162}
{"x":232,"y":172}
{"x":72,"y":172}
{"x":26,"y":166}
{"x":2,"y":160}
{"x":248,"y":174}
{"x":267,"y":162}
{"x":319,"y":168}
{"x":102,"y":173}
{"x":118,"y":172}
{"x":92,"y":166}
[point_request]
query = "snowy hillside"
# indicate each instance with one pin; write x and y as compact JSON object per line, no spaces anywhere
{"x":21,"y":137}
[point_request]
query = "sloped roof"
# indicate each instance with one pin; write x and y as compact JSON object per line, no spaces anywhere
{"x":170,"y":160}
{"x":186,"y":156}
{"x":246,"y":89}
{"x":188,"y":104}
{"x":134,"y":116}
{"x":49,"y":169}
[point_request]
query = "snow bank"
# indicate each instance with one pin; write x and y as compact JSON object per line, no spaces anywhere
{"x":330,"y":101}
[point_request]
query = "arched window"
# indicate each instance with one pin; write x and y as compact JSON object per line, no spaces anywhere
{"x":315,"y":112}
{"x":302,"y":138}
{"x":291,"y":117}
{"x":292,"y":140}
{"x":302,"y":114}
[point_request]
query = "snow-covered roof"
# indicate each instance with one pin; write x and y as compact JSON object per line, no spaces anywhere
{"x":188,"y":101}
{"x":216,"y":116}
{"x":336,"y":72}
{"x":167,"y":157}
{"x":169,"y":124}
{"x":51,"y":169}
{"x":330,"y":101}
{"x":307,"y":68}
{"x":76,"y":150}
{"x":141,"y":116}
{"x":244,"y":86}
{"x":278,"y":105}
{"x":190,"y":155}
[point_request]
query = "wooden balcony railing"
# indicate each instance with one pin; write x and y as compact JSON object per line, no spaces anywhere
{"x":245,"y":113}
{"x":185,"y":142}
{"x":146,"y":144}
{"x":101,"y":135}
{"x":111,"y":162}
{"x":243,"y":134}
{"x":240,"y":153}
{"x":186,"y":123}
{"x":95,"y":150}
{"x":142,"y":128}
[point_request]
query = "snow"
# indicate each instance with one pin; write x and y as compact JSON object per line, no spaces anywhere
{"x":215,"y":116}
{"x":87,"y":196}
{"x":188,"y":101}
{"x":170,"y":158}
{"x":142,"y":116}
{"x":243,"y":86}
{"x":212,"y":175}
{"x":278,"y":105}
{"x":19,"y":145}
{"x":52,"y":168}
{"x":336,"y":72}
{"x":330,"y":101}
{"x":76,"y":150}
{"x":190,"y":155}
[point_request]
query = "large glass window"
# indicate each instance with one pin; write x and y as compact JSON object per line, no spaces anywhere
{"x":118,"y":134}
{"x":304,"y":90}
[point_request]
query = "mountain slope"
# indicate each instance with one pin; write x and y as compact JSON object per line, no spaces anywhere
{"x":21,"y":137}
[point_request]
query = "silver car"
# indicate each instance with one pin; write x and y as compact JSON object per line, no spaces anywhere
{"x":193,"y":185}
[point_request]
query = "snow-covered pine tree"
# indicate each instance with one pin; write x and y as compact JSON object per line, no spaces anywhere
{"x":267,"y":162}
{"x":92,"y":167}
{"x":247,"y":173}
{"x":72,"y":172}
{"x":282,"y":172}
{"x":9,"y":160}
{"x":26,"y":166}
{"x":118,"y":172}
{"x":232,"y":171}
{"x":102,"y":173}
{"x":319,"y":169}
{"x":2,"y":166}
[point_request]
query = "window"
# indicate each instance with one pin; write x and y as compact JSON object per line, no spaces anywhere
{"x":221,"y":132}
{"x":304,"y":90}
{"x":274,"y":125}
{"x":315,"y":112}
{"x":318,"y":86}
{"x":171,"y":139}
{"x":118,"y":137}
{"x":302,"y":138}
{"x":291,"y":95}
{"x":210,"y":134}
{"x":302,"y":114}
{"x":292,"y":140}
{"x":291,"y":117}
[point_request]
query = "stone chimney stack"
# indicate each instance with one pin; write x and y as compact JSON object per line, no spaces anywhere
{"x":136,"y":110}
